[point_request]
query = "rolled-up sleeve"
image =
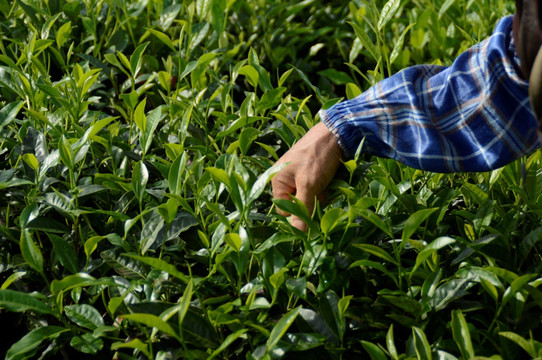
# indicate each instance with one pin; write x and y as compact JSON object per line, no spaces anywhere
{"x":471,"y":116}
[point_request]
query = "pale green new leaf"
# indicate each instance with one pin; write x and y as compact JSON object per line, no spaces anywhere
{"x":387,"y":12}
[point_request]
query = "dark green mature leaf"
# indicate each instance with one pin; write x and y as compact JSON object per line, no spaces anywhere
{"x":19,"y":301}
{"x":377,"y":251}
{"x":160,"y":264}
{"x":432,"y":248}
{"x":414,"y":221}
{"x":375,"y":219}
{"x":151,"y":231}
{"x":374,"y":351}
{"x":123,"y":265}
{"x":421,"y":345}
{"x":533,"y":348}
{"x":152,"y":321}
{"x":448,"y":292}
{"x":140,"y":177}
{"x":177,"y":174}
{"x":228,"y":341}
{"x":184,"y":301}
{"x":9,"y":112}
{"x":337,"y":77}
{"x":30,"y":251}
{"x":87,"y":343}
{"x":65,"y":253}
{"x":28,"y":344}
{"x":281,"y":327}
{"x":84,"y":315}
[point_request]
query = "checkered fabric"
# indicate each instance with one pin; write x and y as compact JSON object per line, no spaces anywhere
{"x":472,"y":116}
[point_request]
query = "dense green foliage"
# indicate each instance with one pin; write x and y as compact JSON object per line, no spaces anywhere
{"x":137,"y":140}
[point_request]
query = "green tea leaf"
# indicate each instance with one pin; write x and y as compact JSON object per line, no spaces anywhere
{"x":523,"y":343}
{"x":163,"y":38}
{"x":337,"y":77}
{"x":139,"y":116}
{"x":152,"y":321}
{"x":160,"y":264}
{"x":387,"y":12}
{"x":461,"y":334}
{"x":421,"y":345}
{"x":84,"y":315}
{"x":228,"y":341}
{"x":432,"y":248}
{"x":444,"y":7}
{"x":399,"y":44}
{"x":377,"y":251}
{"x":259,"y":185}
{"x":414,"y":221}
{"x":331,"y":219}
{"x":63,"y":34}
{"x":184,"y":301}
{"x":30,"y":251}
{"x":65,"y":253}
{"x":28,"y":344}
{"x":9,"y":112}
{"x":374,"y":351}
{"x":18,"y":302}
{"x":365,"y":40}
{"x":132,"y":344}
{"x":352,"y":91}
{"x":375,"y":219}
{"x":140,"y":177}
{"x":32,"y":161}
{"x":87,"y":343}
{"x":67,"y":156}
{"x":390,"y":344}
{"x":135,"y":59}
{"x":251,"y":75}
{"x":281,"y":327}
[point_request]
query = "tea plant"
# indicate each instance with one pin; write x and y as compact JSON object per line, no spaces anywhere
{"x":137,"y":141}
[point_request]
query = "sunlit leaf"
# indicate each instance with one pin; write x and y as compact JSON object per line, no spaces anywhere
{"x":281,"y":327}
{"x":28,"y":344}
{"x":84,"y":315}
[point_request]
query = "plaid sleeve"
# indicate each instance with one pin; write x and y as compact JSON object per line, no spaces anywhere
{"x":472,"y":116}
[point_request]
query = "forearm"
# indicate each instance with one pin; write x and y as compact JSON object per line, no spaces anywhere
{"x":472,"y":116}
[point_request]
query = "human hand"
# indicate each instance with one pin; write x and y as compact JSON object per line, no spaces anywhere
{"x":313,"y":162}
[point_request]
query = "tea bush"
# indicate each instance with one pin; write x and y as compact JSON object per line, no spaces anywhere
{"x":137,"y":141}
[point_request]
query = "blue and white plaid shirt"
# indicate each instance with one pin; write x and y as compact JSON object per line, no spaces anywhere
{"x":472,"y":116}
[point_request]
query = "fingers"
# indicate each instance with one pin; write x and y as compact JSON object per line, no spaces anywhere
{"x":313,"y":161}
{"x":306,"y":197}
{"x":283,"y":185}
